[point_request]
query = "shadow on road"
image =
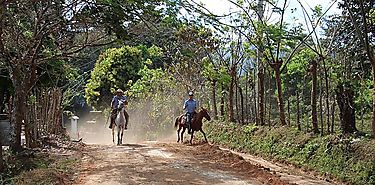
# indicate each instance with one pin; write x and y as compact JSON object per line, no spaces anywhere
{"x":134,"y":145}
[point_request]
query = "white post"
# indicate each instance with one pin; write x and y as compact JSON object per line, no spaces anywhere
{"x":74,"y":126}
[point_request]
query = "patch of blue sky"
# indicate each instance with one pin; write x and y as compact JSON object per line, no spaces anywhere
{"x":294,"y":14}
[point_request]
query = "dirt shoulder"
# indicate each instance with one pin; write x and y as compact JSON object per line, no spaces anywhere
{"x":54,"y":162}
{"x":167,"y":163}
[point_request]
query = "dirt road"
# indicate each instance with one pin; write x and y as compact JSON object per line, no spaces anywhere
{"x":169,"y":163}
{"x":162,"y":163}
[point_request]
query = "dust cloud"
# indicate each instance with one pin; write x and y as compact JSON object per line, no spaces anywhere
{"x":92,"y":128}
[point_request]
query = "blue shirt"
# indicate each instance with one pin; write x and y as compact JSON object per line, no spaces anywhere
{"x":190,"y":105}
{"x":115,"y":101}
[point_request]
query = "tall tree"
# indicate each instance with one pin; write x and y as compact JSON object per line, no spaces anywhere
{"x":35,"y":32}
{"x":260,"y":58}
{"x":359,"y":13}
{"x":117,"y":68}
{"x":352,"y":52}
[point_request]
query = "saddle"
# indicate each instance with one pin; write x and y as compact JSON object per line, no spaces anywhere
{"x":183,"y":119}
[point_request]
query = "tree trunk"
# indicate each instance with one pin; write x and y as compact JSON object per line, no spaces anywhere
{"x":298,"y":111}
{"x":314,"y":89}
{"x":260,"y":55}
{"x":242,"y":105}
{"x":373,"y":95}
{"x":231,"y":95}
{"x":321,"y":106}
{"x":1,"y":153}
{"x":303,"y":107}
{"x":246,"y":97}
{"x":255,"y":110}
{"x":288,"y":109}
{"x":2,"y":97}
{"x":236,"y":98}
{"x":345,"y":100}
{"x":19,"y":107}
{"x":327,"y":92}
{"x":280,"y":95}
{"x":222,"y":102}
{"x":287,"y":94}
{"x":213,"y":97}
{"x":333,"y":115}
{"x":269,"y":98}
{"x":261,"y":94}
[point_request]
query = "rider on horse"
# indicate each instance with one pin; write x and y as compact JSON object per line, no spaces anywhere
{"x":190,"y":106}
{"x":114,"y":105}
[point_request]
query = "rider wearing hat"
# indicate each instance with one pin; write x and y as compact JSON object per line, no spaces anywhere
{"x":114,"y":105}
{"x":190,"y":106}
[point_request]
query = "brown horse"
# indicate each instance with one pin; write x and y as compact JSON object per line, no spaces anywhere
{"x":196,"y":124}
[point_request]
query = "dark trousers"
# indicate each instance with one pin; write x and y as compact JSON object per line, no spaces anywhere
{"x":114,"y":115}
{"x":189,"y":118}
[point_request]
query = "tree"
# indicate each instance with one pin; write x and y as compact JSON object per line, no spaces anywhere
{"x":116,"y":68}
{"x":215,"y":74}
{"x":345,"y":101}
{"x":314,"y":94}
{"x":360,"y":14}
{"x":36,"y":32}
{"x":5,"y":89}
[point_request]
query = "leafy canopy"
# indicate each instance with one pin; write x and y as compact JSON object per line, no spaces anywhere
{"x":117,"y":68}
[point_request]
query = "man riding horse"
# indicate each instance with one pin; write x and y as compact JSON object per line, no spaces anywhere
{"x":114,"y":104}
{"x":190,"y":107}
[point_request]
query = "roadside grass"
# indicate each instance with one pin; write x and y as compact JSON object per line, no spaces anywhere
{"x":52,"y":165}
{"x":57,"y":172}
{"x":348,"y":158}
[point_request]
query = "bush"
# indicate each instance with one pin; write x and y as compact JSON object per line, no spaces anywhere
{"x":347,"y":158}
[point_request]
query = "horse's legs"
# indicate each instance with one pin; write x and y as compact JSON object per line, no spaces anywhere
{"x":118,"y":134}
{"x":182,"y":134}
{"x":178,"y":134}
{"x":113,"y":134}
{"x":191,"y":138}
{"x":204,"y":134}
{"x":122,"y":134}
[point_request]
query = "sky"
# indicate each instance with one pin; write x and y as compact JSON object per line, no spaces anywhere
{"x":220,"y":7}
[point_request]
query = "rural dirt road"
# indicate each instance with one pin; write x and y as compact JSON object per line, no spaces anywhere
{"x":172,"y":163}
{"x":165,"y":162}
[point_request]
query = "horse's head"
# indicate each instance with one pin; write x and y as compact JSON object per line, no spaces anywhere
{"x":205,"y":114}
{"x":121,"y":105}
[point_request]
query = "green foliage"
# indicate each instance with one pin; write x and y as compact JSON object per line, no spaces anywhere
{"x":317,"y":11}
{"x":298,"y":68}
{"x":213,"y":73}
{"x":151,"y":81}
{"x":299,"y":64}
{"x":116,"y":68}
{"x":363,"y":96}
{"x":155,"y":102}
{"x":56,"y":74}
{"x":117,"y":16}
{"x":349,"y":159}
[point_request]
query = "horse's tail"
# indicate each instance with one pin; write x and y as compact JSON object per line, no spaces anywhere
{"x":176,"y":122}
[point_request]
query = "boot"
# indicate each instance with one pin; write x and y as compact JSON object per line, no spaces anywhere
{"x":127,"y":120}
{"x":189,"y":129}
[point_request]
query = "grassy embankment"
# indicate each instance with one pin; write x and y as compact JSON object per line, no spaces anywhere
{"x":347,"y":158}
{"x":54,"y":164}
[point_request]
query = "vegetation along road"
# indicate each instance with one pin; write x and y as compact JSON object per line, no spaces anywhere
{"x":287,"y":85}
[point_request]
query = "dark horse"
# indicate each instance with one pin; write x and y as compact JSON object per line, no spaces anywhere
{"x":196,"y":124}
